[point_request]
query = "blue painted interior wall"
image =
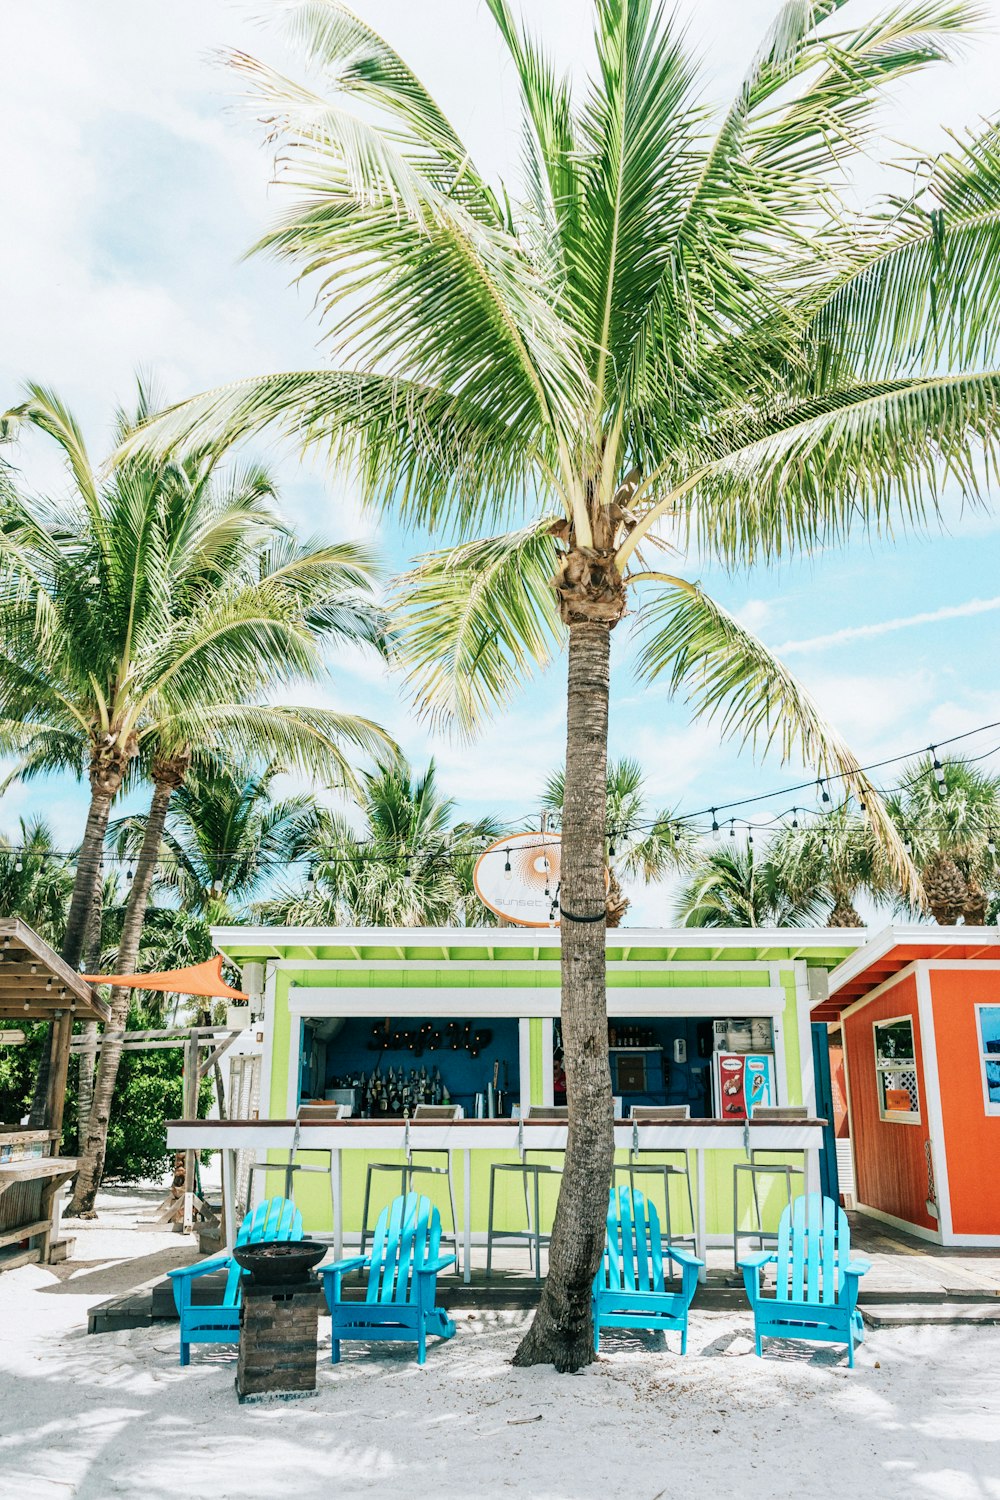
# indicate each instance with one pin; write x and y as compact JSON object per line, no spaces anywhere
{"x":349,"y":1052}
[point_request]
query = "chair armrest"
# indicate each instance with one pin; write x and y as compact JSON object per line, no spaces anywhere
{"x":203,"y":1267}
{"x":683,"y":1257}
{"x":432,"y":1267}
{"x":757,"y":1261}
{"x":339,"y":1267}
{"x":857,"y":1267}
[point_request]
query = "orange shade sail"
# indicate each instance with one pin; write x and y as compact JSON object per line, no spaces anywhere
{"x":197,"y":979}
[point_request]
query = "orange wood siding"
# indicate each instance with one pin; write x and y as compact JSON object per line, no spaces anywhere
{"x":972,"y":1137}
{"x":889,"y":1160}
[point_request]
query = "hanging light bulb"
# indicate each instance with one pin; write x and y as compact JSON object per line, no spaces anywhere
{"x":677,"y":835}
{"x":311,"y":878}
{"x":991,"y":842}
{"x":19,"y":864}
{"x":749,"y":838}
{"x":907,"y":843}
{"x":732,"y":828}
{"x":611,"y":847}
{"x":715,"y":826}
{"x":863,"y":804}
{"x":129,"y":873}
{"x":824,"y":795}
{"x":795,"y":821}
{"x":825,"y":846}
{"x":938,"y":770}
{"x":506,"y":867}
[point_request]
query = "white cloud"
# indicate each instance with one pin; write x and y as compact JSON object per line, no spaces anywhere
{"x":886,"y":627}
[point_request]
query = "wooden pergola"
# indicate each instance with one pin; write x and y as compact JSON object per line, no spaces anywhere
{"x":35,"y":984}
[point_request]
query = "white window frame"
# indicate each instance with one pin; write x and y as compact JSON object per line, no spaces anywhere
{"x":991,"y":1106}
{"x":896,"y":1116}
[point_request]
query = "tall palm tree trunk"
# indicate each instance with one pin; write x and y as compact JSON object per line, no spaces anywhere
{"x":88,"y":1057}
{"x":167,"y":775}
{"x":106,"y":771}
{"x":561,"y":1333}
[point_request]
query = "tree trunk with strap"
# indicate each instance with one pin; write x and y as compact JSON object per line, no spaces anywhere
{"x":561,"y":1334}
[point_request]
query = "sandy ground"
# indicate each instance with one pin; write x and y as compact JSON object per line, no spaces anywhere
{"x":114,"y":1415}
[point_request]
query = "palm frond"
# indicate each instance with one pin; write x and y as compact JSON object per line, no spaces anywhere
{"x":472,"y":622}
{"x":729,"y":677}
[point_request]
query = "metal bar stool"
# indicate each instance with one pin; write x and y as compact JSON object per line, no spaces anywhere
{"x":406,"y":1171}
{"x":532,"y":1236}
{"x":665,"y":1168}
{"x":292,"y":1166}
{"x":759,"y":1165}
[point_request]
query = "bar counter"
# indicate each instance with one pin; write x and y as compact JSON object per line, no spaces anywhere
{"x":466,"y":1136}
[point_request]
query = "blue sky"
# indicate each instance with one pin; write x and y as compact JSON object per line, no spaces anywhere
{"x":133,"y":188}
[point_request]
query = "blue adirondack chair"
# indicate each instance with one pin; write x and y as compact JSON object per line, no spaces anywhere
{"x":816,"y":1296}
{"x":403,"y":1267}
{"x":629,"y":1288}
{"x":219,"y":1322}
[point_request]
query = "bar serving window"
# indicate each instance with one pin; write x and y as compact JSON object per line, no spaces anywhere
{"x":896,"y":1071}
{"x":988,"y":1027}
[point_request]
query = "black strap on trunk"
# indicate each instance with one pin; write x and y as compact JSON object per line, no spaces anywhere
{"x":572,"y":916}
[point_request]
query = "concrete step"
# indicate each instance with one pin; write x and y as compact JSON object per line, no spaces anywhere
{"x":942,"y":1314}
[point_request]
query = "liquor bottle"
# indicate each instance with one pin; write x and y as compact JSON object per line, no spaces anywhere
{"x":436,"y":1086}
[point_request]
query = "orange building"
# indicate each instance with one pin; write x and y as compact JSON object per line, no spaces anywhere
{"x":919,"y":1013}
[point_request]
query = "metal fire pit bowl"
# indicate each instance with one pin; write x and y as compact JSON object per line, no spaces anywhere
{"x":279,"y":1262}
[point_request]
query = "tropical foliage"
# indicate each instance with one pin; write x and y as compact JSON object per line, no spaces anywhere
{"x":948,"y":811}
{"x":674,"y":331}
{"x":147,"y":621}
{"x":410,"y":865}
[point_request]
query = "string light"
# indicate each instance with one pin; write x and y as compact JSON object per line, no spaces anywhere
{"x":715,"y":826}
{"x":795,"y":821}
{"x":19,"y":864}
{"x":732,"y":828}
{"x":824,"y":795}
{"x":506,"y":868}
{"x":938,"y":770}
{"x":991,"y":842}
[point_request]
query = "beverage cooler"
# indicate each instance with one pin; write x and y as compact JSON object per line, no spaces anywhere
{"x":741,"y":1081}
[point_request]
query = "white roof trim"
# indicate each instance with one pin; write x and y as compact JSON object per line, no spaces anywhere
{"x":912,"y":935}
{"x":543,"y":937}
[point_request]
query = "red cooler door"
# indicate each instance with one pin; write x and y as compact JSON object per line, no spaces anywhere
{"x":730,"y":1099}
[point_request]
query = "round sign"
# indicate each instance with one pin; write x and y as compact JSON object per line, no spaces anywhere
{"x":518,"y":878}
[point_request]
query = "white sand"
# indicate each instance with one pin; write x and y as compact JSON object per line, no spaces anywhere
{"x":114,"y":1414}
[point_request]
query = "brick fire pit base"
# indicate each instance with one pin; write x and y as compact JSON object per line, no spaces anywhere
{"x":277,"y":1356}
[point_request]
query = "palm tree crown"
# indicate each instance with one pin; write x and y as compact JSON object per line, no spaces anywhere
{"x":410,"y":866}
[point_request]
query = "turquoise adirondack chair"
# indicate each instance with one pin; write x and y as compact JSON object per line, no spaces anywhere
{"x":403,"y":1268}
{"x":219,"y":1322}
{"x":816,"y":1296}
{"x":629,"y":1288}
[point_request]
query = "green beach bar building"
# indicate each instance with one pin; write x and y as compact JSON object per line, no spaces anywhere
{"x":380,"y":1021}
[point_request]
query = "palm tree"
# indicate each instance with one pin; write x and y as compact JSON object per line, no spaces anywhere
{"x":733,"y":886}
{"x":949,"y":813}
{"x":36,"y":879}
{"x":674,"y":332}
{"x":642,"y":844}
{"x":148,"y":620}
{"x":410,"y":866}
{"x":835,"y":859}
{"x":225,"y":834}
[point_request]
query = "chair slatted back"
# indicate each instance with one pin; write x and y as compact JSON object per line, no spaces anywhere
{"x":274,"y":1219}
{"x":407,"y":1235}
{"x":633,"y":1255}
{"x":814,"y":1243}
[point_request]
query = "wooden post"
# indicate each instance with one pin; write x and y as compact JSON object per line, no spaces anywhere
{"x":191,"y":1082}
{"x":55,"y":1103}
